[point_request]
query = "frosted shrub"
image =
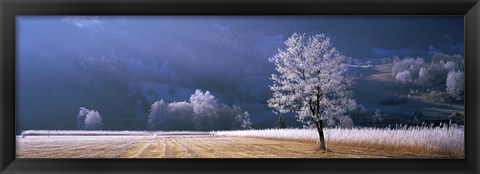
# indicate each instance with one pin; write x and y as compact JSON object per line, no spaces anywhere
{"x":377,"y":118}
{"x":450,"y":66}
{"x":93,"y":121}
{"x":408,"y":64}
{"x":89,"y":119}
{"x":435,"y":73}
{"x":244,"y":120}
{"x":455,"y":84}
{"x":404,"y":77}
{"x":442,"y":58}
{"x":81,"y":117}
{"x":422,"y":77}
{"x":387,"y":60}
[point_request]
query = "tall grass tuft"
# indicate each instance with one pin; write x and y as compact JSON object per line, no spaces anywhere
{"x":445,"y":140}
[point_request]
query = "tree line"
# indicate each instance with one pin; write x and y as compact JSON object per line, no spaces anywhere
{"x":201,"y":113}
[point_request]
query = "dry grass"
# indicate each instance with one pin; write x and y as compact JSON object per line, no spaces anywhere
{"x":423,"y":140}
{"x":201,"y":146}
{"x":399,"y":151}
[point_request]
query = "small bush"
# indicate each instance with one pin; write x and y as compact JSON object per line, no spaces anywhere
{"x":393,"y":99}
{"x":404,"y":77}
{"x":455,"y":84}
{"x":408,"y":64}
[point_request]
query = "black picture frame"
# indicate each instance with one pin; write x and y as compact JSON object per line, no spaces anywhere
{"x":10,"y":8}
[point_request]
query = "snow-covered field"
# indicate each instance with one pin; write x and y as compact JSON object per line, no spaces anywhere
{"x":449,"y":140}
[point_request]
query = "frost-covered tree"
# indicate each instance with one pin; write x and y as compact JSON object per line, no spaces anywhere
{"x":422,"y":77}
{"x":93,"y":121}
{"x":243,"y":120}
{"x":81,"y":117}
{"x":386,"y":60}
{"x":437,"y":74}
{"x":377,"y":118}
{"x":450,"y":66}
{"x":226,"y":116}
{"x":408,"y":64}
{"x":230,"y":118}
{"x":181,"y":113}
{"x":311,"y":81}
{"x":440,"y":57}
{"x":204,"y":108}
{"x":89,"y":119}
{"x":404,"y":77}
{"x":158,"y":112}
{"x":455,"y":84}
{"x":201,"y":113}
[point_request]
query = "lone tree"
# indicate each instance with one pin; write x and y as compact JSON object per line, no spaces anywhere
{"x":311,"y":81}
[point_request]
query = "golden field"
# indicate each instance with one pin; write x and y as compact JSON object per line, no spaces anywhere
{"x":205,"y":146}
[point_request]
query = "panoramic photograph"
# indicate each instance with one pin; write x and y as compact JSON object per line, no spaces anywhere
{"x":240,"y":87}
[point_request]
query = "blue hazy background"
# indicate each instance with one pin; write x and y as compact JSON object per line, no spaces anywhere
{"x":120,"y":65}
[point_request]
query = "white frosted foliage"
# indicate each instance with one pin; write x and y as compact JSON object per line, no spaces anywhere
{"x":201,"y":112}
{"x":310,"y":79}
{"x":93,"y":121}
{"x":158,"y":112}
{"x":204,"y":108}
{"x":244,"y":120}
{"x":404,"y":77}
{"x":455,"y":83}
{"x":89,"y":119}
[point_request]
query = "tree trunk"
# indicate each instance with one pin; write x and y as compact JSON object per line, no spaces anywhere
{"x":319,"y":125}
